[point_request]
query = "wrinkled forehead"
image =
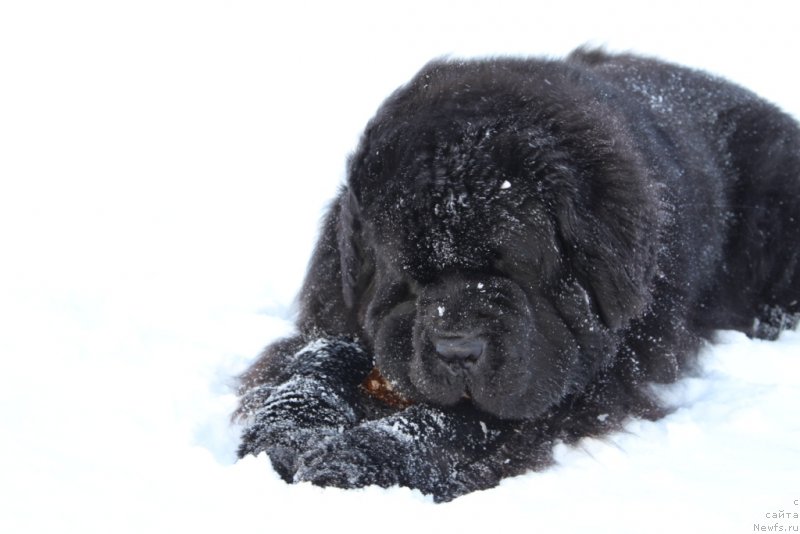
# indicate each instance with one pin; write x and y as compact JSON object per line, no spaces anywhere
{"x":450,"y":198}
{"x":449,"y":225}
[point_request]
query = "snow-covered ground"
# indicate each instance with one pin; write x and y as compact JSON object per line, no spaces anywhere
{"x":163,"y":166}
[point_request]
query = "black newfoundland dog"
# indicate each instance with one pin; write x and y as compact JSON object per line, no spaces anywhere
{"x":521,"y":249}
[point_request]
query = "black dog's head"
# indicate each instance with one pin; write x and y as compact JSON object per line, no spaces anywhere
{"x":495,"y":236}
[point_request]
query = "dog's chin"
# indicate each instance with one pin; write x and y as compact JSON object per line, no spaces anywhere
{"x":442,"y":389}
{"x":457,"y":390}
{"x":488,"y":405}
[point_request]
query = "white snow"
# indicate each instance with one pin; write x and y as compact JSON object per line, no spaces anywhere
{"x":163,"y":167}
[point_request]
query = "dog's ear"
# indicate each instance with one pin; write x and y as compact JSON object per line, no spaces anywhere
{"x":618,"y":275}
{"x":336,"y":272}
{"x":609,"y":220}
{"x":617,"y":245}
{"x":353,"y":254}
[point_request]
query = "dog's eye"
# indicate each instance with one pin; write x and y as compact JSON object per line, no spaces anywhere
{"x":389,"y":297}
{"x":501,"y":300}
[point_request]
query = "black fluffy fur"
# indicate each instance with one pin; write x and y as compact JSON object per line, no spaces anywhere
{"x":584,"y":223}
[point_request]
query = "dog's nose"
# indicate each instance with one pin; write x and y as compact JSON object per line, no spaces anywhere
{"x":459,"y":350}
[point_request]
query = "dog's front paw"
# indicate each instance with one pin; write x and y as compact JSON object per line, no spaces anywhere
{"x":363,"y":456}
{"x":298,"y":415}
{"x":318,"y":401}
{"x":421,"y":447}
